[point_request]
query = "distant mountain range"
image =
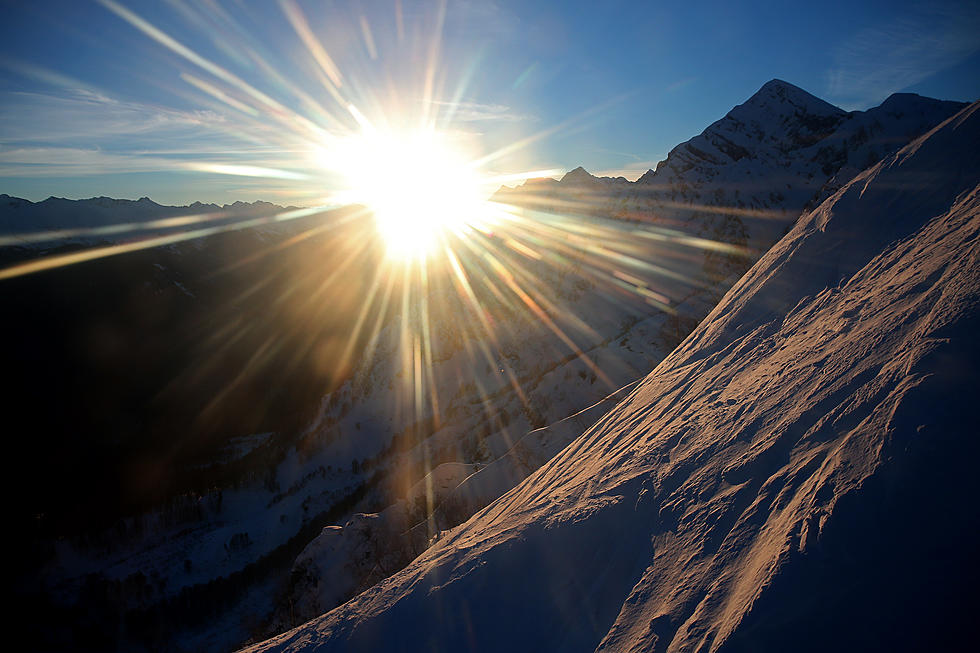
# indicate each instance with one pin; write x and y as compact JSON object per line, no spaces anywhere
{"x":640,"y":265}
{"x":56,"y":213}
{"x":57,"y":222}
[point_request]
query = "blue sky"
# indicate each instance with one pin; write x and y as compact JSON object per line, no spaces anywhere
{"x":219,"y":101}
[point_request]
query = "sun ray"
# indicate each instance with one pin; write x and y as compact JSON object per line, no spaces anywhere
{"x":438,"y":247}
{"x":302,"y":26}
{"x":92,"y":253}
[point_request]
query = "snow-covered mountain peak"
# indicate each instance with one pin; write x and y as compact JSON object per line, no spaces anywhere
{"x":778,"y":92}
{"x":792,"y":117}
{"x":898,"y":100}
{"x":773,"y":124}
{"x":904,"y":105}
{"x":648,"y":176}
{"x":578,"y":177}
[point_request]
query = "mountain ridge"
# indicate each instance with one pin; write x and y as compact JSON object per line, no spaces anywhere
{"x":786,"y":96}
{"x":18,"y":215}
{"x":104,"y":199}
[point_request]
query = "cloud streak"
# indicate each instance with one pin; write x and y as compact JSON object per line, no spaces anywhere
{"x":881,"y":60}
{"x":83,"y":133}
{"x":480,"y":112}
{"x":86,"y":116}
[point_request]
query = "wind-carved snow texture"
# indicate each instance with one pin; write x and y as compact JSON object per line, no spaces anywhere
{"x":797,"y":475}
{"x":370,"y":547}
{"x":742,"y":182}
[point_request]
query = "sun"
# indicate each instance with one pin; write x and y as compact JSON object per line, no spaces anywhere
{"x":418,"y":185}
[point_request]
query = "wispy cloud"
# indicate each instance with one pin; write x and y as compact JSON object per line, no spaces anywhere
{"x":80,"y":132}
{"x":479,"y":19}
{"x":480,"y":112}
{"x":906,"y":50}
{"x":632,"y":169}
{"x":84,"y":115}
{"x":55,"y":161}
{"x":71,"y":162}
{"x":679,"y":84}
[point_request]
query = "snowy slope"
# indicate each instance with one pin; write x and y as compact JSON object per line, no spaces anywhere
{"x":716,"y":186}
{"x":365,"y":431}
{"x":370,"y":547}
{"x":797,"y":474}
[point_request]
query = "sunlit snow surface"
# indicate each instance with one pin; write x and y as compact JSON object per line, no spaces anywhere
{"x":605,"y":253}
{"x":795,"y":474}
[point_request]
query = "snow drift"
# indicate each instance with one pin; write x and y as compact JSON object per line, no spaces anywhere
{"x":796,"y":475}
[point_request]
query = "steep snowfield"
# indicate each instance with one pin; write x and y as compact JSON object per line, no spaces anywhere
{"x":370,"y":547}
{"x":741,"y":182}
{"x":797,"y":474}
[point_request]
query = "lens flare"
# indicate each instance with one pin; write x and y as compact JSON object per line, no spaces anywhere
{"x":488,"y":264}
{"x":417,"y":183}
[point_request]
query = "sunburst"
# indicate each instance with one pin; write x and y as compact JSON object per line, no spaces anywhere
{"x":419,"y":185}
